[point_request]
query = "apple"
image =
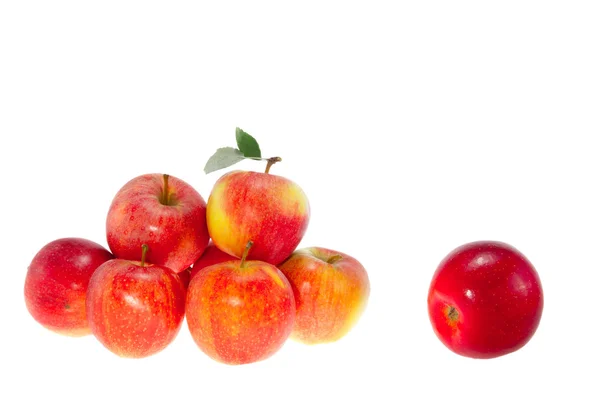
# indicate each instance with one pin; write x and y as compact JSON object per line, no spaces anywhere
{"x":211,"y":256}
{"x":331,"y":291}
{"x":240,"y":311}
{"x":485,"y":300}
{"x":269,"y":210}
{"x":135,"y":309}
{"x":163,"y":212}
{"x":56,"y":284}
{"x":185,"y":276}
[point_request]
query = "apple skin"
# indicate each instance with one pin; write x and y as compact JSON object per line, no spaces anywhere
{"x":185,"y":276}
{"x":176,"y":234}
{"x":211,"y":256}
{"x":271,"y":211}
{"x":135,"y":311}
{"x":485,"y":300}
{"x":56,"y":283}
{"x":240,"y":315}
{"x":331,"y":291}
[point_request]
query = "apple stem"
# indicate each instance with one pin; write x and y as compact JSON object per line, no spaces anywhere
{"x":270,"y":162}
{"x":334,"y":258}
{"x":165,"y":194}
{"x":246,"y":251}
{"x":144,"y":251}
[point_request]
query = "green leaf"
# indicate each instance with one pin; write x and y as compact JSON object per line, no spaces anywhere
{"x":223,"y":158}
{"x":247,"y":144}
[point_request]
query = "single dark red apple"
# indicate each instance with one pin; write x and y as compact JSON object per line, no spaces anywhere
{"x":163,"y":212}
{"x":485,"y":300}
{"x":240,"y":311}
{"x":56,"y":284}
{"x":211,"y":256}
{"x":135,"y":309}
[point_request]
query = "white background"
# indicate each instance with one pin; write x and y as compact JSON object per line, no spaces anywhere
{"x":413,"y":128}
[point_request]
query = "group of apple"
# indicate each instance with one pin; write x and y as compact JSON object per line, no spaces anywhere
{"x":243,"y":293}
{"x":231,"y":267}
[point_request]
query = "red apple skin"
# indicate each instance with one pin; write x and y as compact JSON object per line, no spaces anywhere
{"x":175,"y":233}
{"x":485,"y":300}
{"x":240,"y":315}
{"x":185,"y":276}
{"x":135,"y":311}
{"x":211,"y":256}
{"x":331,"y":291}
{"x":56,"y":283}
{"x":269,"y":210}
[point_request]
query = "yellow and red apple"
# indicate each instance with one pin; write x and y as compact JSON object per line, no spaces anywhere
{"x":240,"y":311}
{"x":163,"y":212}
{"x":269,"y":210}
{"x":331,"y":291}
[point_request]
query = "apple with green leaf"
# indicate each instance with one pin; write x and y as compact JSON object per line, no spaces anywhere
{"x":240,"y":312}
{"x":271,"y":211}
{"x":163,"y":212}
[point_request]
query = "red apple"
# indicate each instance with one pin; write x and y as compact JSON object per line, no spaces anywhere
{"x":57,"y":281}
{"x":240,"y":312}
{"x":135,"y":309}
{"x":185,"y":276}
{"x":331,"y":291}
{"x":271,"y":211}
{"x":485,"y":300}
{"x":162,"y":211}
{"x":211,"y":256}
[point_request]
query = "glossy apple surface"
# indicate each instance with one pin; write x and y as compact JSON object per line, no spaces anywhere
{"x":135,"y":311}
{"x":56,"y":284}
{"x":485,"y":300}
{"x":211,"y":256}
{"x":167,"y":214}
{"x":269,"y":210}
{"x":331,"y":291}
{"x":240,"y":312}
{"x":185,"y":276}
